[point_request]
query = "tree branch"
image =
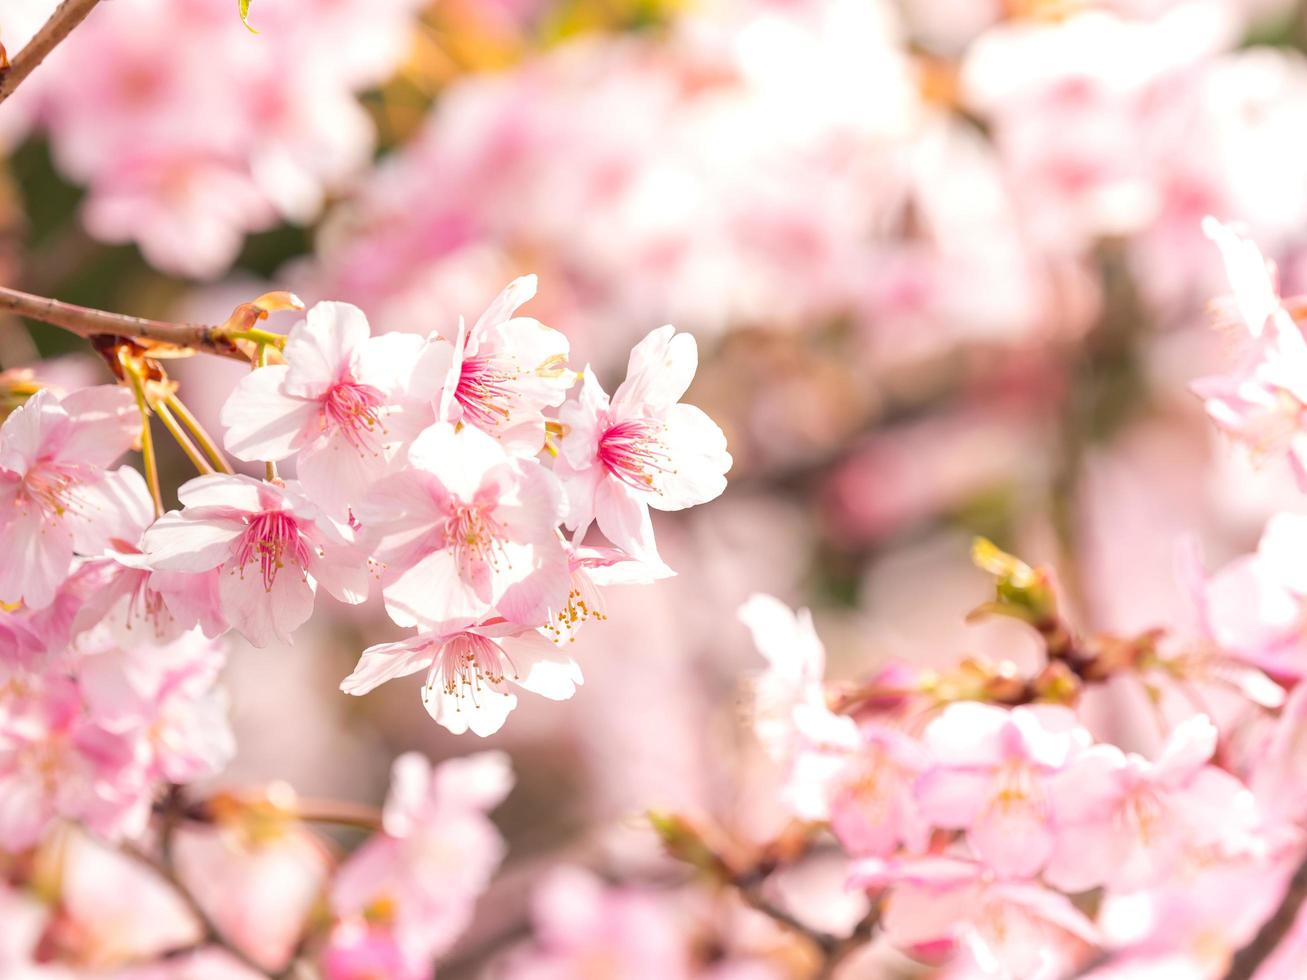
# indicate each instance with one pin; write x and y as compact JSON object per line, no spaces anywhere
{"x":1247,"y":961}
{"x":89,"y":323}
{"x":68,"y":15}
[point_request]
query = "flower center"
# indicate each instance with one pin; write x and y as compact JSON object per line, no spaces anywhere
{"x":485,"y":391}
{"x":49,"y":487}
{"x":475,"y":535}
{"x":467,"y":663}
{"x":634,"y":452}
{"x":272,"y":539}
{"x":353,"y":410}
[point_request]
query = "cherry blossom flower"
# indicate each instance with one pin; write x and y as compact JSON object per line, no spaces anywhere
{"x":642,"y":448}
{"x":166,"y":696}
{"x":1263,"y":400}
{"x":466,"y":530}
{"x":796,"y":667}
{"x":503,"y":372}
{"x":580,"y":922}
{"x":264,"y":545}
{"x":1255,"y":607}
{"x":469,"y":672}
{"x":1009,"y":927}
{"x":339,"y":405}
{"x":55,"y":761}
{"x":421,"y":877}
{"x":591,"y":569}
{"x":990,"y":776}
{"x":1128,"y":823}
{"x":53,"y":453}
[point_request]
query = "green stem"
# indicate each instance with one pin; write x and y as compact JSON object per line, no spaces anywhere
{"x":179,"y":434}
{"x":147,"y":438}
{"x":200,"y":434}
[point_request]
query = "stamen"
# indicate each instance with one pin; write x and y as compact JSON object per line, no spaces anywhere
{"x":353,"y":410}
{"x":633,"y":451}
{"x":273,"y":539}
{"x":475,"y":535}
{"x":485,"y":391}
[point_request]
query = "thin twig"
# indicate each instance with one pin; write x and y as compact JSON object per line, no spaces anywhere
{"x":1247,"y":961}
{"x":68,"y":15}
{"x":89,"y":323}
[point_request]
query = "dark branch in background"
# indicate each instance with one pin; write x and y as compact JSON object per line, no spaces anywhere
{"x":1247,"y":961}
{"x":69,"y":14}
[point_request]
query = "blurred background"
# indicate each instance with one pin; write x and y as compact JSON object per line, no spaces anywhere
{"x":943,"y":261}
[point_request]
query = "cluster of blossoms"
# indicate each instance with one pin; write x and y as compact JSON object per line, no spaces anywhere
{"x":749,"y":183}
{"x":282,"y":129}
{"x":458,"y":476}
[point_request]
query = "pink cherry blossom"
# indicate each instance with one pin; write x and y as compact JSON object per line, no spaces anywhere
{"x":469,"y":672}
{"x":466,"y":530}
{"x":1128,"y":822}
{"x":642,"y":448}
{"x":166,"y":696}
{"x":421,"y":877}
{"x":796,"y":667}
{"x":53,"y":453}
{"x":862,"y":779}
{"x":1255,"y":607}
{"x":503,"y":372}
{"x":1009,"y":927}
{"x":264,"y":545}
{"x":990,"y":776}
{"x":55,"y":761}
{"x":258,"y":883}
{"x":339,"y":405}
{"x":593,"y":568}
{"x":1263,"y":400}
{"x":580,"y":924}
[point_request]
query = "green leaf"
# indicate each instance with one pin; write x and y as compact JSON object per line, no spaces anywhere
{"x":245,"y":15}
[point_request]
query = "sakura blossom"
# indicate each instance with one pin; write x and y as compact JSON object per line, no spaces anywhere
{"x":465,"y":531}
{"x":641,"y":448}
{"x":265,"y":546}
{"x":470,"y":673}
{"x":340,"y":404}
{"x":53,"y":453}
{"x":979,"y":330}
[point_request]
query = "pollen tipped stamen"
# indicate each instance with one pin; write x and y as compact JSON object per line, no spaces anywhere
{"x":476,"y":537}
{"x":467,"y":664}
{"x":354,"y":411}
{"x":635,"y":453}
{"x":273,"y":540}
{"x":485,"y":391}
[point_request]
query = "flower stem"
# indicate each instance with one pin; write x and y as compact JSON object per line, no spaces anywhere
{"x":133,"y":375}
{"x":200,"y":434}
{"x":67,"y":15}
{"x":179,"y":434}
{"x":261,"y":360}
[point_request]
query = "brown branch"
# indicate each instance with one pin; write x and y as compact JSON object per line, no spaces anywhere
{"x":1247,"y":961}
{"x":92,"y":324}
{"x":68,"y":15}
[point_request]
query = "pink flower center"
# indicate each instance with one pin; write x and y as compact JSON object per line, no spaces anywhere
{"x":465,"y":665}
{"x":634,"y":452}
{"x":272,"y":539}
{"x":49,"y":486}
{"x":352,"y":409}
{"x":485,"y":391}
{"x":475,"y":535}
